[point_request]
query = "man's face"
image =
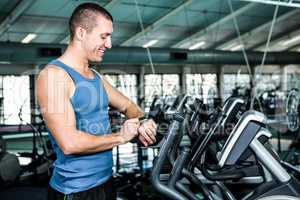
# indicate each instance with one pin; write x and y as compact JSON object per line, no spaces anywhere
{"x":99,"y":39}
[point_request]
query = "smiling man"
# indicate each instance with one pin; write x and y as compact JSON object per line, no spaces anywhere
{"x":74,"y":102}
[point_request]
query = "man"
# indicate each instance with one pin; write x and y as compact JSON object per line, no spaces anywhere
{"x":74,"y":102}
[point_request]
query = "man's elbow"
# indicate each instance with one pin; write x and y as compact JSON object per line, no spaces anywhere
{"x":70,"y":148}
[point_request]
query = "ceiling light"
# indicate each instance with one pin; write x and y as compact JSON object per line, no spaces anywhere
{"x":5,"y":62}
{"x":197,"y":45}
{"x":29,"y":38}
{"x":229,"y":46}
{"x":291,"y":40}
{"x":150,"y":43}
{"x":237,"y":47}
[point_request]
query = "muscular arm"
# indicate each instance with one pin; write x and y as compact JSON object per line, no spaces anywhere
{"x":54,"y":88}
{"x":121,"y":102}
{"x":147,"y":130}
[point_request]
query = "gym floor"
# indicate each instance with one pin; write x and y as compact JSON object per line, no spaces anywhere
{"x":24,"y":193}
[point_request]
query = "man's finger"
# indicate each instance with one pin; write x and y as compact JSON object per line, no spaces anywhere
{"x":145,"y":135}
{"x":151,"y":128}
{"x":142,"y":139}
{"x":151,"y":134}
{"x":153,"y":131}
{"x":150,"y":124}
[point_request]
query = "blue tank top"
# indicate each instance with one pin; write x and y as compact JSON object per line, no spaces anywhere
{"x":76,"y":173}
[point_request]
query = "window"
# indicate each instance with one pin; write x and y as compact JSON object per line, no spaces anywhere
{"x":293,"y":81}
{"x":16,"y":100}
{"x":234,"y":81}
{"x":126,"y":83}
{"x":161,"y":85}
{"x":170,"y":84}
{"x":202,"y":85}
{"x":266,"y":82}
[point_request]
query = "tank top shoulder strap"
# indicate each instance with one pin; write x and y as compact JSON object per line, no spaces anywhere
{"x":72,"y":73}
{"x":97,"y":73}
{"x":99,"y":77}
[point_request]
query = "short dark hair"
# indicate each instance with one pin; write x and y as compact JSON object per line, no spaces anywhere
{"x":84,"y":15}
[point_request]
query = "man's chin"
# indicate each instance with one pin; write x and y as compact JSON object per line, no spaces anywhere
{"x":98,"y":59}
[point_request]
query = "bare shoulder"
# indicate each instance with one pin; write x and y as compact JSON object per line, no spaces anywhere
{"x":53,"y":78}
{"x":53,"y":72}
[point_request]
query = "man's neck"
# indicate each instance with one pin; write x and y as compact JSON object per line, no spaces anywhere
{"x":74,"y":58}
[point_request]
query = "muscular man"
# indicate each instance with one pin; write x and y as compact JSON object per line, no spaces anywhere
{"x":74,"y":102}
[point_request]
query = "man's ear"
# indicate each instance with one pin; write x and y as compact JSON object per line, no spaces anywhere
{"x":80,"y":33}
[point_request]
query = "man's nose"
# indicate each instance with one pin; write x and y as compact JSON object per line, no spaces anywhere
{"x":108,"y":44}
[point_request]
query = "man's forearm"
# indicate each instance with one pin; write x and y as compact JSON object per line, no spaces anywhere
{"x":85,"y":143}
{"x":133,"y":111}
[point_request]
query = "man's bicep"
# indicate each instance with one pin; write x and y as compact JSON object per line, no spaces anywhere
{"x":57,"y":111}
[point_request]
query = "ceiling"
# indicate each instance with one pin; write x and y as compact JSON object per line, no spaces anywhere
{"x":173,"y":23}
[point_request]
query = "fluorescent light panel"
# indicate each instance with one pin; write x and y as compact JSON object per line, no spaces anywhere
{"x":5,"y":62}
{"x":289,"y":41}
{"x":237,"y":47}
{"x":29,"y":38}
{"x":150,"y":43}
{"x":229,"y":46}
{"x":197,"y":45}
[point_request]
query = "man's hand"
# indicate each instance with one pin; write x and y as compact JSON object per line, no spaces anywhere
{"x":129,"y":129}
{"x":147,"y":132}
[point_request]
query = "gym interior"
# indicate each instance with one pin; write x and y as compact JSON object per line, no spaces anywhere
{"x":220,"y":78}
